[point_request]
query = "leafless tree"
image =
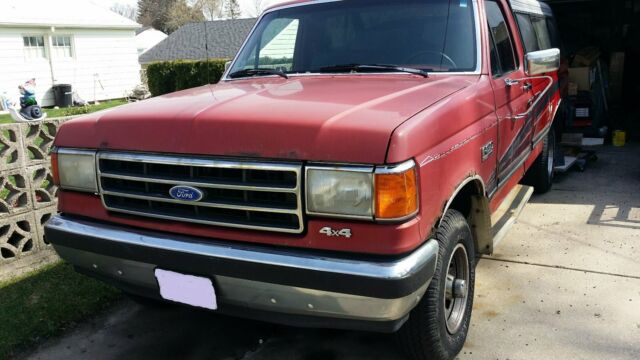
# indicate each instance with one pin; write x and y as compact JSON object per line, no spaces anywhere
{"x":155,"y":13}
{"x":212,"y":9}
{"x":181,"y":13}
{"x":125,"y":10}
{"x":232,"y":9}
{"x":257,"y":7}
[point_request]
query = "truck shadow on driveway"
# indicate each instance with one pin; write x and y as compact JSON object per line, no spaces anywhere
{"x":131,"y":331}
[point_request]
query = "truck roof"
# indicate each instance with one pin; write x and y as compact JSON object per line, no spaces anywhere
{"x":527,"y":6}
{"x":531,"y":7}
{"x":286,"y":3}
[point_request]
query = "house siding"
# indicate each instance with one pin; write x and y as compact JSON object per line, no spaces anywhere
{"x":110,"y":53}
{"x":282,"y":45}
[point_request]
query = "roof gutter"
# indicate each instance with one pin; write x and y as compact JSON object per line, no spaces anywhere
{"x":71,"y":26}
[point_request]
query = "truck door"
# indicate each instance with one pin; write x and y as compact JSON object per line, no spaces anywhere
{"x":534,"y":30}
{"x":512,"y":91}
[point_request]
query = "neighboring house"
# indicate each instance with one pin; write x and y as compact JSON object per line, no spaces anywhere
{"x":148,"y":37}
{"x":281,"y":46}
{"x":67,"y":42}
{"x":224,"y":38}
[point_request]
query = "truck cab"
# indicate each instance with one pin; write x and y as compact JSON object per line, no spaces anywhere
{"x":354,"y":161}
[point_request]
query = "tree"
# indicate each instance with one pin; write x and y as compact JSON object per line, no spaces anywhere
{"x":257,"y":7}
{"x":155,"y":13}
{"x":181,"y":13}
{"x":232,"y":9}
{"x":212,"y":9}
{"x":125,"y":10}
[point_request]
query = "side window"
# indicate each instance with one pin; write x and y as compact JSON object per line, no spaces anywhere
{"x":540,"y":25}
{"x":528,"y":33}
{"x":502,"y":42}
{"x":496,"y":68}
{"x":61,"y":46}
{"x":34,"y":47}
{"x":553,"y":34}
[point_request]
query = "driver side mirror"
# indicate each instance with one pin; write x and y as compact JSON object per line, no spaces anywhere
{"x":541,"y":62}
{"x":227,"y":65}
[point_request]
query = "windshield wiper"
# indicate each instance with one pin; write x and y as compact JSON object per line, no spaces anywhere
{"x":366,"y":67}
{"x":256,"y":72}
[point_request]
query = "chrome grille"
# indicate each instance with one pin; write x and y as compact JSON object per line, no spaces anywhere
{"x":239,"y":194}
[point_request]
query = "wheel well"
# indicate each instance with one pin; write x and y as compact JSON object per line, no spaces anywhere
{"x":472,"y":202}
{"x":462,"y":200}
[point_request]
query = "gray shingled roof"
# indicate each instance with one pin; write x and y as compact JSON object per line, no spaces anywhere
{"x":187,"y":43}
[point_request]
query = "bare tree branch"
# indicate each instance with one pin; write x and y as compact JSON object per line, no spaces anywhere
{"x":181,"y":13}
{"x":125,"y":10}
{"x":232,"y":9}
{"x":212,"y":9}
{"x":257,"y":7}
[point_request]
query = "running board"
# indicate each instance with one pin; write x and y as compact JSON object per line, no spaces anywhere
{"x":507,"y":213}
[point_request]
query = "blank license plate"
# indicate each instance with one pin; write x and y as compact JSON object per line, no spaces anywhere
{"x":186,"y":289}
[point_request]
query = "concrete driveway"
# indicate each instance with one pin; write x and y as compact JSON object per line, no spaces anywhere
{"x":564,"y":284}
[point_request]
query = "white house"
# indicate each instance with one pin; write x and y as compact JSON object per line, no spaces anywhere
{"x":67,"y":42}
{"x":148,"y":37}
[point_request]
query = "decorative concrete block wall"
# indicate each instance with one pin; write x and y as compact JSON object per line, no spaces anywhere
{"x":28,"y":196}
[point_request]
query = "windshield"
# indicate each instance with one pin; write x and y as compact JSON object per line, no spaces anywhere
{"x":432,"y":35}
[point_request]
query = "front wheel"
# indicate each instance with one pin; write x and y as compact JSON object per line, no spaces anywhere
{"x":437,"y":328}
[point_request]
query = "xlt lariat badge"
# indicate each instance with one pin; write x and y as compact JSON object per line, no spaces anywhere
{"x":335,"y":233}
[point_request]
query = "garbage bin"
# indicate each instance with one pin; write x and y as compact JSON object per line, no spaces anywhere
{"x":63,"y":95}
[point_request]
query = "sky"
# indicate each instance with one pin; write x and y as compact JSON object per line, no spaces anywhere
{"x":245,"y":5}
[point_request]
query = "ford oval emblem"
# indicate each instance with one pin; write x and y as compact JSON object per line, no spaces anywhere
{"x":186,"y":193}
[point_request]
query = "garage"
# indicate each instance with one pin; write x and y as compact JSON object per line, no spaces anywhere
{"x":601,"y":43}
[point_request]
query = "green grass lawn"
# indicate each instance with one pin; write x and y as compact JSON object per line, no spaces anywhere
{"x":45,"y":303}
{"x":52,"y":113}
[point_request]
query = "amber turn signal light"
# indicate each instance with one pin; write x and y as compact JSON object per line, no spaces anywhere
{"x":396,"y":194}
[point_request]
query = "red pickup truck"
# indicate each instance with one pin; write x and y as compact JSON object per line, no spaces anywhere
{"x":354,"y":161}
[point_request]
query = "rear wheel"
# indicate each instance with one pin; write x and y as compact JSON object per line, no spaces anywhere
{"x":437,"y":328}
{"x":540,"y":175}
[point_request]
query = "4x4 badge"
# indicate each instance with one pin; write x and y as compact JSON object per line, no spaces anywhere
{"x":487,"y":150}
{"x":335,"y":233}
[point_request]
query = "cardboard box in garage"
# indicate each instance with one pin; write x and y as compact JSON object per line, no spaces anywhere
{"x":572,"y":90}
{"x":584,"y":77}
{"x":586,"y":57}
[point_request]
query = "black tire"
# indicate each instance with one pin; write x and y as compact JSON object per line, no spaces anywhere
{"x":540,"y":175}
{"x":426,"y":334}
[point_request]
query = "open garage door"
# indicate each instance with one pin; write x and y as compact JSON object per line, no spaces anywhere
{"x":601,"y":40}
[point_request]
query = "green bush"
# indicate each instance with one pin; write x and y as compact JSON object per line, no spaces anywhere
{"x":169,"y":76}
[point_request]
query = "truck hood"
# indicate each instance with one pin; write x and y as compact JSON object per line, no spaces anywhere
{"x":317,"y":118}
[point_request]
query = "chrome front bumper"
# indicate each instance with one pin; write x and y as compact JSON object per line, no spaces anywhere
{"x":273,"y":284}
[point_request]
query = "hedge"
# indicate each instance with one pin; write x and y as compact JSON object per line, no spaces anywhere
{"x":169,"y":76}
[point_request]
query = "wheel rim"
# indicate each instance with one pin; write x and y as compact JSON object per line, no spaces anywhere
{"x":456,"y":294}
{"x":550,"y":158}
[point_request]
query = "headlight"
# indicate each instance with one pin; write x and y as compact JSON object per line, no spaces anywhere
{"x":75,"y":169}
{"x":384,"y":193}
{"x":340,"y":192}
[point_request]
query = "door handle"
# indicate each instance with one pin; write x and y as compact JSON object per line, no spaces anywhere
{"x":511,"y":82}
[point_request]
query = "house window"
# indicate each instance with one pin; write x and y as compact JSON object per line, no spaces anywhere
{"x":61,"y":46}
{"x":34,"y":47}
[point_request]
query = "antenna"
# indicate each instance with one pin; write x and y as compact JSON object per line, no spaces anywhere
{"x":206,"y":50}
